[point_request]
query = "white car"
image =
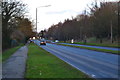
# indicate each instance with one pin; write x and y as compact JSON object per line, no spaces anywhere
{"x":56,"y":41}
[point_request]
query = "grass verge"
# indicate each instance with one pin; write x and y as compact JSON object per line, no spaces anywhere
{"x":42,"y":64}
{"x":6,"y":54}
{"x":95,"y":49}
{"x":96,"y":44}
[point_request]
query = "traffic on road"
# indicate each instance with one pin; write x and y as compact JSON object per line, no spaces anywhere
{"x":93,"y":63}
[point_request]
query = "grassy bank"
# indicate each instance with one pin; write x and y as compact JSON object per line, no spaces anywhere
{"x":6,"y":54}
{"x":96,"y":44}
{"x":99,"y":44}
{"x":42,"y":64}
{"x":95,"y":49}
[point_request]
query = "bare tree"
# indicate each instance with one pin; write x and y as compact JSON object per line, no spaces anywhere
{"x":9,"y":10}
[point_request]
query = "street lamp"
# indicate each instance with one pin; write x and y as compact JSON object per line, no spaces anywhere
{"x":36,"y":13}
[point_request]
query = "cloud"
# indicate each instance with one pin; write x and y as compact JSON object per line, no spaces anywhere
{"x":56,"y":12}
{"x":61,"y":12}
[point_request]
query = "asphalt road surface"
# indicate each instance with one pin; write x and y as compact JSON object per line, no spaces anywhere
{"x":100,"y":47}
{"x":93,"y":63}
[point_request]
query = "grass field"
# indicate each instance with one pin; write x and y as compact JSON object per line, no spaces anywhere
{"x":6,"y":54}
{"x":42,"y":64}
{"x":95,"y":49}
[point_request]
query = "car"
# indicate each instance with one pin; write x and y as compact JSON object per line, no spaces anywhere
{"x":42,"y":42}
{"x":56,"y":41}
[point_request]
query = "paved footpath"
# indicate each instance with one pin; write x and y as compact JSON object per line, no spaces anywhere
{"x":14,"y":67}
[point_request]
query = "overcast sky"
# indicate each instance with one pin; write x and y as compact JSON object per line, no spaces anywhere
{"x":58,"y":11}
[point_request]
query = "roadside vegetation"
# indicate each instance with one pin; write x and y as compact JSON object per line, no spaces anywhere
{"x":95,"y":49}
{"x":99,"y":44}
{"x":98,"y":25}
{"x":17,"y":28}
{"x":42,"y":64}
{"x":6,"y":54}
{"x":116,"y":45}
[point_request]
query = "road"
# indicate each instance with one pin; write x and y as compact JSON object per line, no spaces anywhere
{"x":93,"y":63}
{"x":99,"y":47}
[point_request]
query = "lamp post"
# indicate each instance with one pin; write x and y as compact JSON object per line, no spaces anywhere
{"x":36,"y":14}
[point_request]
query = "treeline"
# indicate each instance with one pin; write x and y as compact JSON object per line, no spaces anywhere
{"x":101,"y":22}
{"x":15,"y":27}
